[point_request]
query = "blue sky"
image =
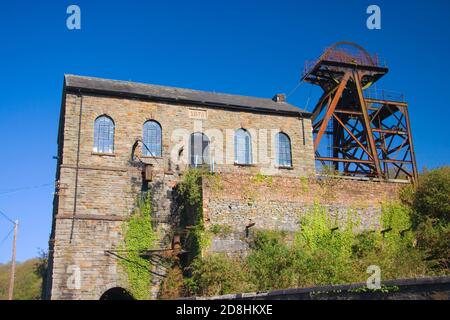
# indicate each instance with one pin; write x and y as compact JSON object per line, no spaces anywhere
{"x":245,"y":47}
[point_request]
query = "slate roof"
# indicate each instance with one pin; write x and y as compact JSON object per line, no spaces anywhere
{"x":179,"y":95}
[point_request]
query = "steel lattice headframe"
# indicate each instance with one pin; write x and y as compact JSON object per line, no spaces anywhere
{"x":368,"y":132}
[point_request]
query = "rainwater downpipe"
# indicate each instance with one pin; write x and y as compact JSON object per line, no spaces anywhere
{"x":77,"y":168}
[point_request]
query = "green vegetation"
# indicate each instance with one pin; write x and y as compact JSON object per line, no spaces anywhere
{"x":408,"y":243}
{"x":383,"y":289}
{"x":217,"y":274}
{"x":29,"y":279}
{"x":432,"y":197}
{"x":191,"y":207}
{"x":263,"y":179}
{"x":198,"y":239}
{"x":433,"y":238}
{"x":139,"y":236}
{"x":172,"y":286}
{"x":412,"y":241}
{"x":430,"y":203}
{"x":328,"y":170}
{"x":220,"y":230}
{"x":319,"y":255}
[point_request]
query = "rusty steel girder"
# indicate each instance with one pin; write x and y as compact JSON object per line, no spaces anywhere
{"x":369,"y":134}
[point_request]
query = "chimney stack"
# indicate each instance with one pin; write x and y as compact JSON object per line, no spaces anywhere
{"x":279,"y":97}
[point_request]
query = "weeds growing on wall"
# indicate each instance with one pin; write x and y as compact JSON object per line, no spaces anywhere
{"x":139,"y":236}
{"x":190,"y":203}
{"x":263,"y":179}
{"x":327,"y":251}
{"x":323,"y":252}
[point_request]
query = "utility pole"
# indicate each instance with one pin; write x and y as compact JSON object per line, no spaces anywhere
{"x":13,"y":262}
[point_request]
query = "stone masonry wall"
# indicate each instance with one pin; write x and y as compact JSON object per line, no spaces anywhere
{"x":97,"y":192}
{"x":275,"y":203}
{"x":85,"y":258}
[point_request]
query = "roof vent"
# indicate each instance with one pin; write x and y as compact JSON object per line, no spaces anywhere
{"x":279,"y":97}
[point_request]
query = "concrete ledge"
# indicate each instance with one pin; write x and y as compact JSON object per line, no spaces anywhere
{"x":91,"y":217}
{"x":430,"y":288}
{"x":319,"y":176}
{"x":97,"y":168}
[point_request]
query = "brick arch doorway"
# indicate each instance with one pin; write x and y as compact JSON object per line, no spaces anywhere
{"x":199,"y":151}
{"x":116,"y":293}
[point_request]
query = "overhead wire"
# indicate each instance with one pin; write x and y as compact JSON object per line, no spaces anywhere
{"x":6,"y":217}
{"x":14,"y":190}
{"x":7,"y":237}
{"x":295,"y":89}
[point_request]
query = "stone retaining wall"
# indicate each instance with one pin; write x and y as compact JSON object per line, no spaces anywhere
{"x":275,"y":203}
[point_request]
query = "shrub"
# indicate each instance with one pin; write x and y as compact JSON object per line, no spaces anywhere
{"x":218,"y":274}
{"x":326,"y":251}
{"x":272,"y":262}
{"x":395,"y":253}
{"x":396,"y":222}
{"x":430,"y":202}
{"x":172,"y":286}
{"x":432,"y":197}
{"x":433,"y":237}
{"x":319,"y":255}
{"x":364,"y":244}
{"x":190,"y":186}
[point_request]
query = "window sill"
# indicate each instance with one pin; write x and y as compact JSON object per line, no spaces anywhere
{"x":100,"y":154}
{"x":151,"y":157}
{"x":244,"y":165}
{"x":285,"y":167}
{"x":199,"y":166}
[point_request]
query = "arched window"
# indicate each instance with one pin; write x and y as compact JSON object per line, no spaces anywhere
{"x":242,"y":147}
{"x":152,"y":139}
{"x":283,"y":150}
{"x":104,"y":135}
{"x":199,"y":149}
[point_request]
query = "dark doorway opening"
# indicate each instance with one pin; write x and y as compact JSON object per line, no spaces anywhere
{"x":117,"y":294}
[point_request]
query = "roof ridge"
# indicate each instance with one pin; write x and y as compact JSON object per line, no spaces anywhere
{"x":172,"y":87}
{"x":156,"y":91}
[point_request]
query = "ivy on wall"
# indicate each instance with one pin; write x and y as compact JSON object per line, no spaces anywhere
{"x":139,"y":236}
{"x":189,"y":190}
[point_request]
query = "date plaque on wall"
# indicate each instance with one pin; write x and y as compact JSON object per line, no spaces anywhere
{"x":198,"y":114}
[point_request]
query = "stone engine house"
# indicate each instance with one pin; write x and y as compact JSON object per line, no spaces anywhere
{"x":107,"y":126}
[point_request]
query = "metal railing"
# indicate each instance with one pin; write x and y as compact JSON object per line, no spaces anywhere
{"x":382,"y":94}
{"x":343,"y":57}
